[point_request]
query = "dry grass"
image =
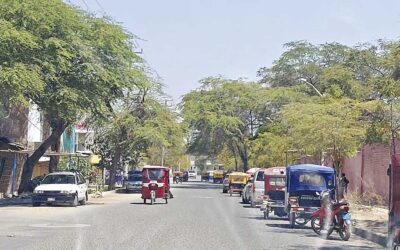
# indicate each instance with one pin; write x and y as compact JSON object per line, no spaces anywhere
{"x":369,"y":198}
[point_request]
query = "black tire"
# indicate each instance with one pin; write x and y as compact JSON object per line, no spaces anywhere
{"x":345,"y":233}
{"x":292,"y":219}
{"x":84,"y":201}
{"x":166,"y":200}
{"x":75,"y":202}
{"x":316,"y":225}
{"x":36,"y":204}
{"x":144,"y":201}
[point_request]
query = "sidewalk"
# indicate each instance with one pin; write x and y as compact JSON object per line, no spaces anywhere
{"x":26,"y":199}
{"x":371,"y":223}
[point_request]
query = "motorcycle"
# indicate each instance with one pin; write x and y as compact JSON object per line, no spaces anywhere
{"x":332,"y":216}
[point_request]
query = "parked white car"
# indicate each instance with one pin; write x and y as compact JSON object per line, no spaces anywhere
{"x":192,"y":174}
{"x":257,"y":189}
{"x":61,"y":188}
{"x":246,"y":193}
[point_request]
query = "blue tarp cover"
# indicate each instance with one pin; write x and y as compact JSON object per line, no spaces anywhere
{"x":310,"y":177}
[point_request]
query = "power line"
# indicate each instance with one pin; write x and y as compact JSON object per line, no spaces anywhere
{"x":87,"y":6}
{"x":101,"y":7}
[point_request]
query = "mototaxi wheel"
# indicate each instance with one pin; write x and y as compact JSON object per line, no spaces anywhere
{"x":144,"y":201}
{"x":166,"y":200}
{"x":292,"y":219}
{"x":344,"y":232}
{"x":316,"y":225}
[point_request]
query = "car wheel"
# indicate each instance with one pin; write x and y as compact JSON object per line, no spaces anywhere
{"x":75,"y":202}
{"x":35,"y":204}
{"x":83,"y":202}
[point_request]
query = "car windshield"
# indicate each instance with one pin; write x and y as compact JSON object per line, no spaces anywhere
{"x":59,"y":179}
{"x":154,"y":174}
{"x":312,"y":179}
{"x":135,"y":178}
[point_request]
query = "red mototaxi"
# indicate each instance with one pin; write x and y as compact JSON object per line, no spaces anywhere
{"x":155,"y":184}
{"x":274,"y":192}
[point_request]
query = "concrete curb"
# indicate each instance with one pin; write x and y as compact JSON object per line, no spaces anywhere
{"x":368,"y":235}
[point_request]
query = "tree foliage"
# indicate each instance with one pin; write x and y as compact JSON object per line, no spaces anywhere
{"x":64,"y":60}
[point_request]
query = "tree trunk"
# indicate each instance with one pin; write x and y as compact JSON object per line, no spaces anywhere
{"x":54,"y":159}
{"x":39,"y":152}
{"x":114,"y":166}
{"x":244,"y":157}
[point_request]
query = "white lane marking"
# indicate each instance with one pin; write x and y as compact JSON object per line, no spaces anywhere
{"x":59,"y":225}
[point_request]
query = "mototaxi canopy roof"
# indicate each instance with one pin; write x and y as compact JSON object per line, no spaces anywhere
{"x":310,"y":177}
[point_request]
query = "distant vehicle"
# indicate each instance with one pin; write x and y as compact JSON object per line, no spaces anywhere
{"x":237,"y":181}
{"x":156,"y":183}
{"x":192,"y":174}
{"x":134,"y":181}
{"x":218,"y":176}
{"x":185,"y":176}
{"x":225,"y":185}
{"x":246,"y":193}
{"x":257,"y":189}
{"x":61,"y":188}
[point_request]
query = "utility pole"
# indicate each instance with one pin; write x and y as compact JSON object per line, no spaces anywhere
{"x":162,"y":156}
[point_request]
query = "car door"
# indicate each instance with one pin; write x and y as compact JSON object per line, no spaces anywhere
{"x":259,"y":184}
{"x":81,"y":187}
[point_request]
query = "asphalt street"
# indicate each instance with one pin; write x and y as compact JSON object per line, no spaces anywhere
{"x":199,"y":217}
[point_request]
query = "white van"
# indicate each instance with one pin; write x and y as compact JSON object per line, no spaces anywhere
{"x":257,"y":189}
{"x":192,"y":174}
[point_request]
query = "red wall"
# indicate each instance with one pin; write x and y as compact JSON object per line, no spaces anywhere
{"x":367,"y":171}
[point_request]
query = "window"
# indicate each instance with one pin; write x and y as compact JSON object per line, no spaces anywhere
{"x":312,"y":179}
{"x":260,"y":176}
{"x":154,"y":174}
{"x":277,"y":181}
{"x":59,"y":179}
{"x":81,"y":179}
{"x":135,"y":178}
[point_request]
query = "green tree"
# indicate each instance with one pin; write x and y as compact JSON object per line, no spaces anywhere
{"x":224,"y":113}
{"x":138,"y":122}
{"x":62,"y":59}
{"x":335,"y":126}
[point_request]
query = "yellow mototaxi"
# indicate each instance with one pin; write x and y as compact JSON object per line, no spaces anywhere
{"x":237,"y":181}
{"x":218,"y":176}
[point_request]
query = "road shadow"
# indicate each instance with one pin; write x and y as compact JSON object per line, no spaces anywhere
{"x":196,"y":186}
{"x":287,"y":228}
{"x":328,"y":246}
{"x":148,"y":204}
{"x":253,"y":217}
{"x":16,"y":205}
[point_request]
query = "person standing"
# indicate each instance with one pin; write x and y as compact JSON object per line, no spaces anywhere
{"x":344,"y":183}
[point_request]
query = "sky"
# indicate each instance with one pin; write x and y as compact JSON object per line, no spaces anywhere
{"x":187,"y":40}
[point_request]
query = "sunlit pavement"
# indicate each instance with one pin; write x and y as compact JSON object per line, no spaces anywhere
{"x":199,"y":217}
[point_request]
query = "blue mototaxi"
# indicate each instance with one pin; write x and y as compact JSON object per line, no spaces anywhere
{"x":304,"y":182}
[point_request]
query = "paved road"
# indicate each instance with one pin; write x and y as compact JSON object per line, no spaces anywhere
{"x":199,"y":217}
